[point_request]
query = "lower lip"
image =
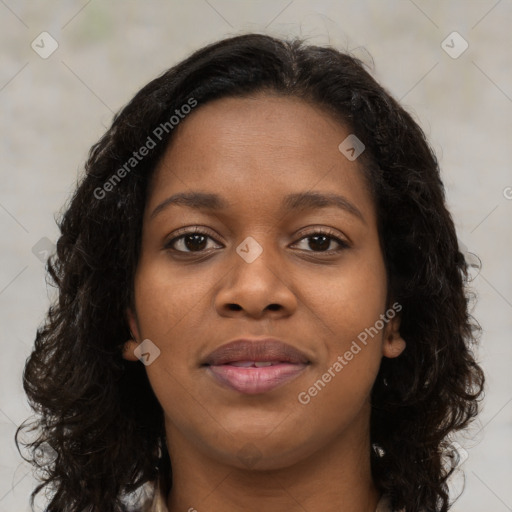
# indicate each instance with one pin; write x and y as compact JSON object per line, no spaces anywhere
{"x":254,"y":380}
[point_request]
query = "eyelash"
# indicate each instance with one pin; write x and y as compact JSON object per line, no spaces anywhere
{"x":200,"y":231}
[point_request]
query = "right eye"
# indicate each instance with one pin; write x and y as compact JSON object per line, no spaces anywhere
{"x":193,"y":240}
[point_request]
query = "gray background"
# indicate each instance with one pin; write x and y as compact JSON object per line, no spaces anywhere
{"x":55,"y":108}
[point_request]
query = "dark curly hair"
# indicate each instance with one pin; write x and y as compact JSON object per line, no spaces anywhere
{"x":97,"y":413}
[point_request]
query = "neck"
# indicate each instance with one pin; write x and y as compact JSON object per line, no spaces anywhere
{"x":336,"y":478}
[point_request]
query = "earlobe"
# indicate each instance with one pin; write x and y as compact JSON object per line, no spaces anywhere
{"x":394,"y":346}
{"x":128,"y":350}
{"x":393,"y":343}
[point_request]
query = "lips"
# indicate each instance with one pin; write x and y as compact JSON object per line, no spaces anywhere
{"x":254,"y":366}
{"x":257,"y":350}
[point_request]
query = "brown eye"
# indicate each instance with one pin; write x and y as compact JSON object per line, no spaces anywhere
{"x":192,"y":241}
{"x":321,"y":242}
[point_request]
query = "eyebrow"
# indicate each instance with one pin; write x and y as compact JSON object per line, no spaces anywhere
{"x":296,"y":201}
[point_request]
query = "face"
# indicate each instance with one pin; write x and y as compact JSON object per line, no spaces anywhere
{"x":268,"y":258}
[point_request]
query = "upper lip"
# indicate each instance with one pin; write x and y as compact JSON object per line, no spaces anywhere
{"x":255,"y":349}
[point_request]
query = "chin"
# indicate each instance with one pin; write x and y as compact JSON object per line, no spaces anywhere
{"x":265,"y":453}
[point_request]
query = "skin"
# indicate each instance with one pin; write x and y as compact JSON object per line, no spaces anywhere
{"x":253,"y":151}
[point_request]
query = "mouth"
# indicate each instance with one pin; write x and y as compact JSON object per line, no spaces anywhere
{"x":255,"y":366}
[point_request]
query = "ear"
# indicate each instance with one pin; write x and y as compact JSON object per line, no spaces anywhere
{"x":393,"y":344}
{"x":131,"y":344}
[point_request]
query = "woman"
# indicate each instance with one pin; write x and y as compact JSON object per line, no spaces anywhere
{"x":264,"y":228}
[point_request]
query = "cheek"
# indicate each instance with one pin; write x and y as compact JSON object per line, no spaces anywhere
{"x":170,"y":310}
{"x":165,"y":300}
{"x":339,"y":387}
{"x":347,"y":301}
{"x":348,"y":309}
{"x":165,"y":303}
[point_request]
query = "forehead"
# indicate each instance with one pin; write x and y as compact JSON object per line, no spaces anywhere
{"x":259,"y":146}
{"x":276,"y":122}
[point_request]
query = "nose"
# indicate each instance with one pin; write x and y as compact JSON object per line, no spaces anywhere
{"x":256,"y":287}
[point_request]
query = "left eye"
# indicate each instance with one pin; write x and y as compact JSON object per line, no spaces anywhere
{"x":320,"y":242}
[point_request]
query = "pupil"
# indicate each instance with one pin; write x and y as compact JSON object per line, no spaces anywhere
{"x":193,"y":246}
{"x":323,"y":246}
